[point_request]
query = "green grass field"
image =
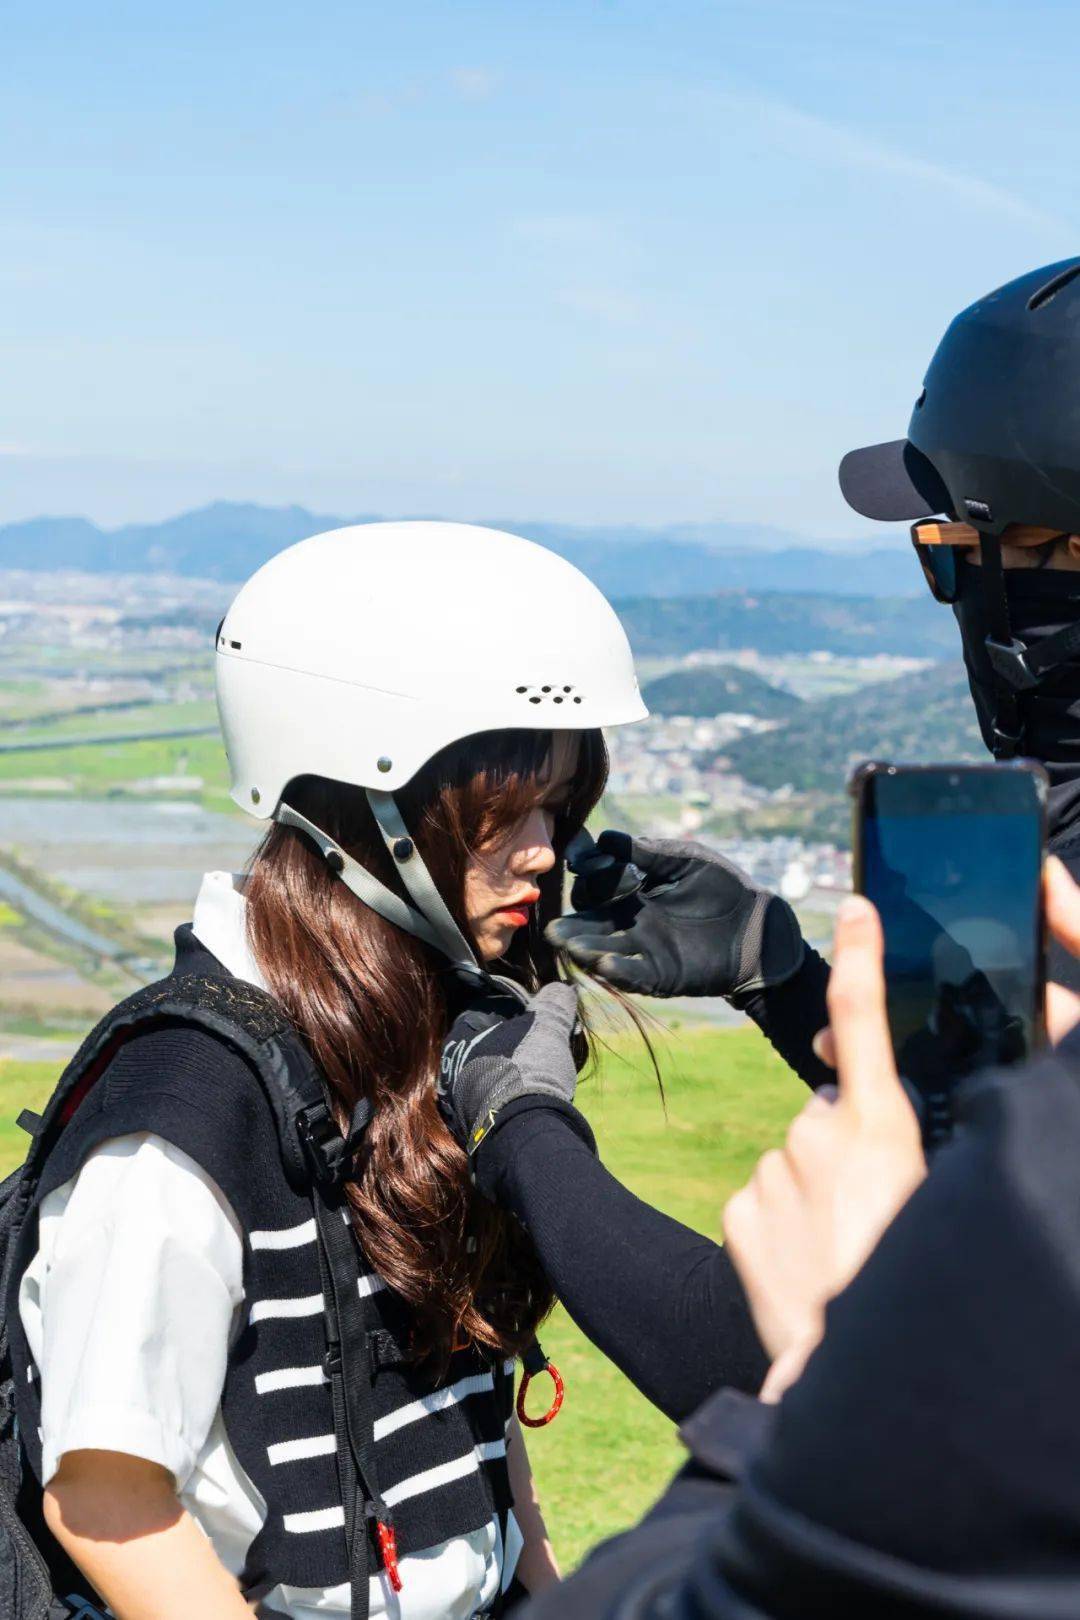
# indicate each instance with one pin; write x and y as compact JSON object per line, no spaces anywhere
{"x":728,"y":1097}
{"x":114,"y":722}
{"x":107,"y":768}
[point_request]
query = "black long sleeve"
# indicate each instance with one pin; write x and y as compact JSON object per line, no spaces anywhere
{"x":663,"y":1302}
{"x":790,"y":1015}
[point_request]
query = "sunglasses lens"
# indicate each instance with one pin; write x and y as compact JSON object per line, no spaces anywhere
{"x":939,"y":566}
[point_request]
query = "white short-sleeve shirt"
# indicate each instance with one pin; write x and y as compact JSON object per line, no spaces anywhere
{"x":128,"y":1307}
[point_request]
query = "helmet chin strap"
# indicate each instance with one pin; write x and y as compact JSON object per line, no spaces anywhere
{"x":427,"y":917}
{"x":1006,"y":654}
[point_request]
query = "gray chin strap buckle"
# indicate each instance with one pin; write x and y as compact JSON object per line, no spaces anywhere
{"x":1009,"y":660}
{"x":426,"y":915}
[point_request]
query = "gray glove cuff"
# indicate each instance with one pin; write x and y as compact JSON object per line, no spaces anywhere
{"x":771,"y":949}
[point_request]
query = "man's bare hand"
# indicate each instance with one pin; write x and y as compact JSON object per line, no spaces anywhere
{"x":1061,"y":897}
{"x":813,"y":1211}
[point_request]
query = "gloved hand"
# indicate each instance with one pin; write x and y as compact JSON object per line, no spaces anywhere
{"x":690,"y":923}
{"x":496,"y":1052}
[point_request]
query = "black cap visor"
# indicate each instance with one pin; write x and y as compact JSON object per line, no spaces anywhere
{"x":894,"y":483}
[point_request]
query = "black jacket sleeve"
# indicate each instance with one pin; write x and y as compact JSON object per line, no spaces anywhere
{"x":790,"y":1015}
{"x":663,"y":1302}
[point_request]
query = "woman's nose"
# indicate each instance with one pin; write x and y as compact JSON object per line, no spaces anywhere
{"x":535,"y":853}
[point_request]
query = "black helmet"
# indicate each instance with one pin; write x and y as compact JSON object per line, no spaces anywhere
{"x":994,"y":437}
{"x":994,"y":440}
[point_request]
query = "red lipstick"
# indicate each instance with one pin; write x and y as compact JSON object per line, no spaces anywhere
{"x":518,"y":912}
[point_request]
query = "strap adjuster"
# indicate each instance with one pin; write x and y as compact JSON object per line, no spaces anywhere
{"x":329,"y":1153}
{"x":324,"y":1146}
{"x":1009,"y":660}
{"x":1005,"y":745}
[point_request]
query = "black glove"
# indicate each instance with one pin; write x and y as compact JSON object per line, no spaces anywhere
{"x":497,"y":1053}
{"x":672,"y":919}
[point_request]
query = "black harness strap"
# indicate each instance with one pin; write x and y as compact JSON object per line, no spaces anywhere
{"x":1054,"y":650}
{"x":348,"y":1360}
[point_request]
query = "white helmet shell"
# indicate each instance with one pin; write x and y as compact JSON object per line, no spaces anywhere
{"x":360,"y":653}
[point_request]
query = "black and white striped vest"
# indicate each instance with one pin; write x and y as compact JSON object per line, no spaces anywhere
{"x":440,"y":1442}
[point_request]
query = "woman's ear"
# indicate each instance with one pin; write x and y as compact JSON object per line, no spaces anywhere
{"x":1073,"y":547}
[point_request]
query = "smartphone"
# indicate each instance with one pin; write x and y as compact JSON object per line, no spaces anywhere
{"x":951,"y":856}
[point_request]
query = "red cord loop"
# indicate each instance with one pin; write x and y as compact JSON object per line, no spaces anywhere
{"x":556,"y":1402}
{"x":387,"y":1538}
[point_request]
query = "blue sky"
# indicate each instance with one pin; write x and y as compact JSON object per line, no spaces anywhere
{"x":608,"y":260}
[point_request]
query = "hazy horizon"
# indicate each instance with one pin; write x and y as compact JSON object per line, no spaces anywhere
{"x":707,"y":534}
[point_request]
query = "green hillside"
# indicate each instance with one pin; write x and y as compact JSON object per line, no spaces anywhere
{"x":722,"y":689}
{"x":918,"y":717}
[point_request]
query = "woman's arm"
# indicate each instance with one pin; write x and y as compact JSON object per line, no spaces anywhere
{"x":537,"y":1567}
{"x":663,"y":1302}
{"x":128,"y":1306}
{"x":118,"y":1519}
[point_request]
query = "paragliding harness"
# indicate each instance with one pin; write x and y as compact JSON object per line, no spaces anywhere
{"x":37,"y":1582}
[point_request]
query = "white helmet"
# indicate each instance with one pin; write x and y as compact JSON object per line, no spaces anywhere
{"x":358,"y":654}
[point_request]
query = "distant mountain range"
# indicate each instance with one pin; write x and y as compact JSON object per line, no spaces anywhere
{"x":771,"y":622}
{"x":229,"y":540}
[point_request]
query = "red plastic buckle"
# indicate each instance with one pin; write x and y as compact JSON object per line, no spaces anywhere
{"x":557,"y":1400}
{"x":388,"y":1548}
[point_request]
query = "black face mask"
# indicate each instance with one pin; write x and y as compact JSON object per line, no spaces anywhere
{"x":1041,"y":601}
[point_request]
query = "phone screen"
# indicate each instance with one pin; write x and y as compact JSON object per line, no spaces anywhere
{"x":952,"y":860}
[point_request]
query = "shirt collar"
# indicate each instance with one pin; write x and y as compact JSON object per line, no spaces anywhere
{"x":219,"y":923}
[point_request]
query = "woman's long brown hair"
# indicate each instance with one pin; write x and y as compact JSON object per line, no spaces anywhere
{"x":374,"y":1006}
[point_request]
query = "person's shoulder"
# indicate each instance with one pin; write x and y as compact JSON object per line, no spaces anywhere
{"x":177,"y":1055}
{"x":186,"y":1085}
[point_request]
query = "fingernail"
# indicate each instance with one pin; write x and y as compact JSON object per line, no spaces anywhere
{"x":817,"y":1045}
{"x":852,"y":908}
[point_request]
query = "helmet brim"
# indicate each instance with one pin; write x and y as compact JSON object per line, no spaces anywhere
{"x":893,"y":483}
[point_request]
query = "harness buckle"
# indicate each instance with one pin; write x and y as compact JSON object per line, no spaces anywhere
{"x":1006,"y":746}
{"x":325,"y":1149}
{"x":1009,"y":660}
{"x":329,"y":1153}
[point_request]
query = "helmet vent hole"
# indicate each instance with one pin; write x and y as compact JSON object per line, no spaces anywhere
{"x":1053,"y":287}
{"x":921,"y":401}
{"x":235,"y":645}
{"x":536,"y":700}
{"x":521,"y":689}
{"x":577,"y":700}
{"x":557,"y":700}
